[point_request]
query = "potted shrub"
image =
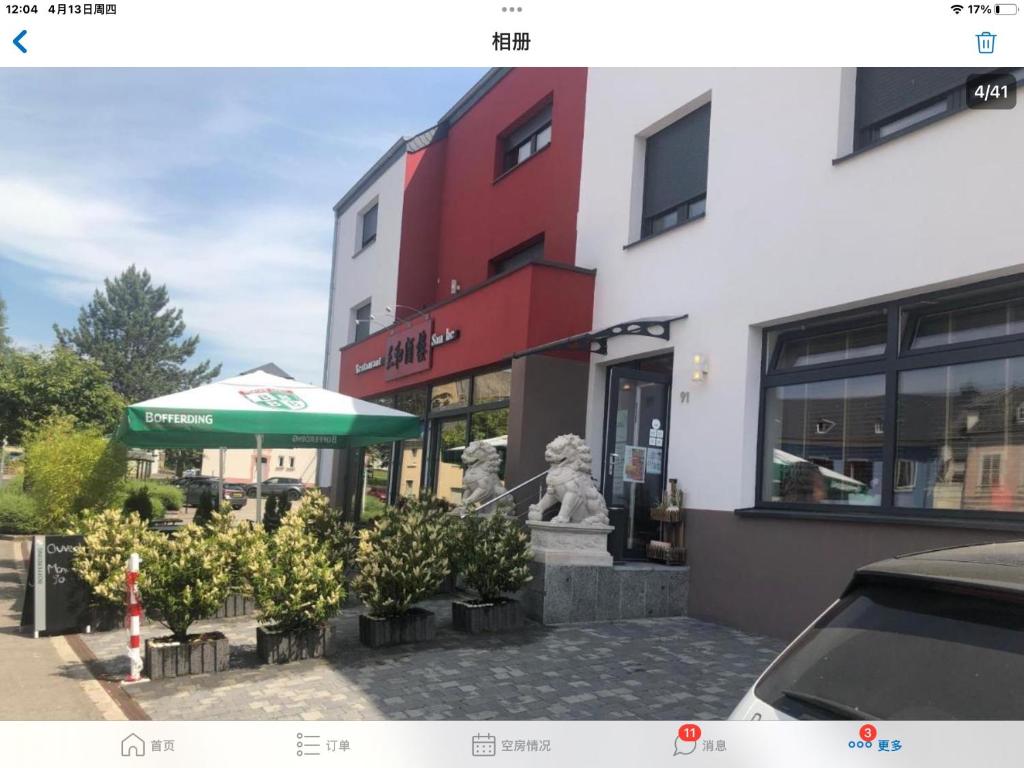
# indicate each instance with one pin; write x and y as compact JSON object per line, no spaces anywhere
{"x":402,"y":558}
{"x":493,"y":555}
{"x":235,"y":541}
{"x":298,"y":587}
{"x":185,"y":579}
{"x":109,"y":538}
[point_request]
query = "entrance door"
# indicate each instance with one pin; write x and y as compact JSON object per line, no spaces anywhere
{"x":636,"y":445}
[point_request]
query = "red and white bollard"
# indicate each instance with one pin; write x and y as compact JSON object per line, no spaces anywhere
{"x":134,"y":619}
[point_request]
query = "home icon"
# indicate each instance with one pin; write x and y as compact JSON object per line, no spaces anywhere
{"x":133,"y":746}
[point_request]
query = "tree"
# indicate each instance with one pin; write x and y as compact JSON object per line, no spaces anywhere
{"x":129,"y":329}
{"x":181,"y":459}
{"x":39,"y":384}
{"x":5,"y":340}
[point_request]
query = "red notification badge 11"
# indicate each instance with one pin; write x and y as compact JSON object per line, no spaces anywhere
{"x":689,"y":732}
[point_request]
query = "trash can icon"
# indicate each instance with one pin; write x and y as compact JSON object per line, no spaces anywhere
{"x":986,"y":42}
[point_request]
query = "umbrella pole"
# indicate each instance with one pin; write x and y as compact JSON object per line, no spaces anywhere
{"x":259,"y":476}
{"x":220,"y":482}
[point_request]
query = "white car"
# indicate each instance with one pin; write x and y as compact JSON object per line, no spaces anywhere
{"x":931,"y":636}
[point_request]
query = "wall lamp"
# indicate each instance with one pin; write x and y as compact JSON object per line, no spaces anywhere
{"x":391,"y":310}
{"x":700,"y":368}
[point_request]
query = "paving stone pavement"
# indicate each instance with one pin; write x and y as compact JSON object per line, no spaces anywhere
{"x":645,"y":669}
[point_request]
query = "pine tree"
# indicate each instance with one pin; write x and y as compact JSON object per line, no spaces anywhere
{"x":129,"y":329}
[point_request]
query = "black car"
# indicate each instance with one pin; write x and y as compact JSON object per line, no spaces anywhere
{"x":288,"y":486}
{"x":193,"y":487}
{"x":931,"y":636}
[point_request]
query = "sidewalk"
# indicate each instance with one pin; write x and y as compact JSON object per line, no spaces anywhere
{"x":40,"y":679}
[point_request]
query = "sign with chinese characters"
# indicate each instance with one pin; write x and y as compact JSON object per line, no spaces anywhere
{"x":409,"y":348}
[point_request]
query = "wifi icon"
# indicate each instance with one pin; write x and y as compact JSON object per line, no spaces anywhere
{"x":956,"y":9}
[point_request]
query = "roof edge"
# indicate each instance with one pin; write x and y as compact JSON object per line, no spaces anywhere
{"x":424,"y":138}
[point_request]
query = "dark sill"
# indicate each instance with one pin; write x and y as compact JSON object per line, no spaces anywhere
{"x":366,"y":247}
{"x":982,"y":522}
{"x":898,"y":135}
{"x":673,"y":228}
{"x":517,"y":166}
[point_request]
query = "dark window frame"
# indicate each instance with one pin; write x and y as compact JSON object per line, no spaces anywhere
{"x":508,"y":154}
{"x":955,"y":100}
{"x":366,"y":242}
{"x":897,"y":359}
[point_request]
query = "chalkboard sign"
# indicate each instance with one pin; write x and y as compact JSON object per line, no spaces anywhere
{"x":56,"y":600}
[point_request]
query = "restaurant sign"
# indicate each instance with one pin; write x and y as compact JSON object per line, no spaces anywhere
{"x":409,"y":349}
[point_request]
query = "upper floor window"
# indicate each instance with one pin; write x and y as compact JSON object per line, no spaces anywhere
{"x":524,"y":142}
{"x":676,"y":173}
{"x":517,"y":257}
{"x":893,"y":100}
{"x":361,"y":318}
{"x":368,"y":226}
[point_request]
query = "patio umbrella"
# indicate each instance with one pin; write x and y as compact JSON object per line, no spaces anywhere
{"x":258,"y":410}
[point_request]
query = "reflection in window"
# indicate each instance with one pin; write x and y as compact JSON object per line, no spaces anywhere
{"x":836,"y":346}
{"x":413,"y":401}
{"x":956,"y":426}
{"x":833,"y":422}
{"x":453,"y":394}
{"x":492,"y":387}
{"x":451,"y":442}
{"x":1001,"y":318}
{"x":409,"y":473}
{"x":492,"y":426}
{"x":376,"y":477}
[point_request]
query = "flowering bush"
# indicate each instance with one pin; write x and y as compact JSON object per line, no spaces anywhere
{"x":403,"y":557}
{"x":296,"y":582}
{"x":110,"y":537}
{"x":186,"y":578}
{"x":241,"y":545}
{"x":493,"y":555}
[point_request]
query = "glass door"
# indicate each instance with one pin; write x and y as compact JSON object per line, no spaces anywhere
{"x":636,"y":444}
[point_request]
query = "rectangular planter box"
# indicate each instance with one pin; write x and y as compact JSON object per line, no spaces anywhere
{"x":280,"y":647}
{"x":235,"y":605}
{"x":199,"y":655}
{"x":498,"y":616}
{"x":414,"y":626}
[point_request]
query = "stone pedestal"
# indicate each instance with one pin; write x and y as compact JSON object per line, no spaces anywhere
{"x":574,"y":579}
{"x":570,"y":544}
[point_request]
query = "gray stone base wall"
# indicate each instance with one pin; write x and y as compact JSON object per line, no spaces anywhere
{"x":563,"y":594}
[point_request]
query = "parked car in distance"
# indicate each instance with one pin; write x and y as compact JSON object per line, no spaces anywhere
{"x":930,"y":636}
{"x":289,"y":486}
{"x":193,"y":487}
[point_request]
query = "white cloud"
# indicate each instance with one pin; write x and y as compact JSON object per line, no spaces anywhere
{"x":253,"y":283}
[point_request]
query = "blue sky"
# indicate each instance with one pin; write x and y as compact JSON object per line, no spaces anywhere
{"x":219,"y":182}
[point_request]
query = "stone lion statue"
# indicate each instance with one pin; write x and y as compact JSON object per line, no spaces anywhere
{"x":480,"y":478}
{"x":570,"y":484}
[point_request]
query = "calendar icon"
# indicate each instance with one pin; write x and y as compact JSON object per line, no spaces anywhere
{"x":484,"y":745}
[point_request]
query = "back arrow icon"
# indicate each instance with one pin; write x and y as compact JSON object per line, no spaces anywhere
{"x":17,"y":41}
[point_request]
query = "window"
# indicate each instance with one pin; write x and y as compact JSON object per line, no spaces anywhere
{"x":932,"y":425}
{"x":522,"y":143}
{"x":361,"y":318}
{"x":280,"y":462}
{"x":492,"y":387}
{"x":676,"y":173}
{"x":517,"y":257}
{"x":892,"y":100}
{"x":368,"y":226}
{"x":291,"y":462}
{"x":452,"y":394}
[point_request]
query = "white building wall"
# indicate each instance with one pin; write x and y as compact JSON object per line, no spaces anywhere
{"x":360,"y":275}
{"x":787,"y":234}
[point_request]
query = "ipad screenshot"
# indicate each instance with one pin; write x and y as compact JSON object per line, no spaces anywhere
{"x":476,"y":383}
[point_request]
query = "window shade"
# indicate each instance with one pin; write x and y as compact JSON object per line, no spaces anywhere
{"x":676,"y":162}
{"x":527,"y":129}
{"x":884,"y":92}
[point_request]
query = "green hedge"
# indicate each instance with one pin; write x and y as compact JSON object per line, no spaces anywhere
{"x":162,"y":496}
{"x":18,"y":512}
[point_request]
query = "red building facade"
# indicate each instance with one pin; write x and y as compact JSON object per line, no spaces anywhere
{"x":485,"y":271}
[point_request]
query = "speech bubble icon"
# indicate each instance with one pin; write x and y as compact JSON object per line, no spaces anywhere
{"x":684,"y":747}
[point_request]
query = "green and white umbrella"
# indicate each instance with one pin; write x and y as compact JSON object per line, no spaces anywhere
{"x":258,"y":410}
